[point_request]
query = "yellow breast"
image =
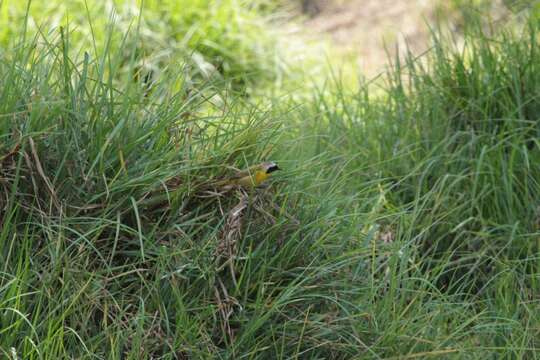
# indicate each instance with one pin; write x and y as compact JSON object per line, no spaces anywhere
{"x":254,"y":180}
{"x":260,"y":176}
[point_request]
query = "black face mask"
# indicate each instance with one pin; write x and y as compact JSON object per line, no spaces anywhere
{"x":272,"y":169}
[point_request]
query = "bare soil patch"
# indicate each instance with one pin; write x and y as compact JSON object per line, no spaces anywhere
{"x":369,"y":29}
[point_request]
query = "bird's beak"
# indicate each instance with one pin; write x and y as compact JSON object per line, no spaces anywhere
{"x":272,"y":169}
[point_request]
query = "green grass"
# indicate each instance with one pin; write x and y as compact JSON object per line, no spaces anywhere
{"x":220,"y":39}
{"x":404,"y":224}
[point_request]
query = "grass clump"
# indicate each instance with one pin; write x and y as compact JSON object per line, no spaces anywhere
{"x":444,"y":166}
{"x":94,"y":265}
{"x":404,"y":224}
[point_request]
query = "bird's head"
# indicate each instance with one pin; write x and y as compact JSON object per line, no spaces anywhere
{"x":269,"y":167}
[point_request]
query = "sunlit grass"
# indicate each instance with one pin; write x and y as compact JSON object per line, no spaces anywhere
{"x":403,"y":224}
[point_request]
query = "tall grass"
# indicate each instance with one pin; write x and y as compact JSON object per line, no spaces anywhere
{"x":403,"y":224}
{"x":445,"y":167}
{"x":221,"y":39}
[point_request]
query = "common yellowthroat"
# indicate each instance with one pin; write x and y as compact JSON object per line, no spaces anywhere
{"x":251,"y":177}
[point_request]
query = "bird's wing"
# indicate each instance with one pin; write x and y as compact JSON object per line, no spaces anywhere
{"x":232,"y":178}
{"x":238,"y":174}
{"x":248,"y":172}
{"x":243,"y":173}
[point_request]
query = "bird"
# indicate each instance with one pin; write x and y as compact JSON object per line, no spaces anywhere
{"x":251,"y":177}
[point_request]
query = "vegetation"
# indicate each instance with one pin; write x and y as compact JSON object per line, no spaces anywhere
{"x":219,"y":38}
{"x":406,"y":221}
